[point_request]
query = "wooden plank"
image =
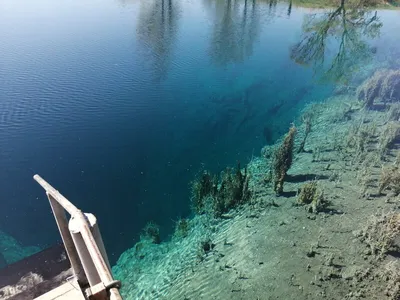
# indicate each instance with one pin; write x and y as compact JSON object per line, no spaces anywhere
{"x":68,"y":291}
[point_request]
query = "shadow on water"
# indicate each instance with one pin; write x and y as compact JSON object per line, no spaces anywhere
{"x":351,"y":27}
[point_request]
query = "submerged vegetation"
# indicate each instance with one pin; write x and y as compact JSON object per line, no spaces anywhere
{"x":381,"y":88}
{"x":382,"y":234}
{"x":338,"y":190}
{"x":390,"y":180}
{"x":283,"y":158}
{"x":151,"y":232}
{"x":307,"y":124}
{"x":217,"y":195}
{"x":350,"y":164}
{"x":312,"y":196}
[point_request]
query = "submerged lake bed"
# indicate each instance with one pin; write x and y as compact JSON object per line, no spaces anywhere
{"x":122,"y":105}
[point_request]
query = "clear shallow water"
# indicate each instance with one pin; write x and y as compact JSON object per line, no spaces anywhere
{"x":119,"y":104}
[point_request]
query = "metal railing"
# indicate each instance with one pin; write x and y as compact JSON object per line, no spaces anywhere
{"x":84,"y":247}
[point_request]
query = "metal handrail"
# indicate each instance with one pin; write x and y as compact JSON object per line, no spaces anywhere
{"x":108,"y":288}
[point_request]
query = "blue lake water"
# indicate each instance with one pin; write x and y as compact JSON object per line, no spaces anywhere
{"x":119,"y":104}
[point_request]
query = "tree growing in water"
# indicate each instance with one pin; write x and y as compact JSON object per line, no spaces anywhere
{"x":350,"y":26}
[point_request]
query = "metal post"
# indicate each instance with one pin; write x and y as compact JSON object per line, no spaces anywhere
{"x":87,"y":262}
{"x":98,"y":260}
{"x":62,"y":223}
{"x":85,"y":240}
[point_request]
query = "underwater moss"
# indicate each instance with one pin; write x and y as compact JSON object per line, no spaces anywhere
{"x":233,"y":190}
{"x":307,"y":193}
{"x":390,"y":180}
{"x":393,"y":113}
{"x":312,"y":196}
{"x":181,"y":228}
{"x":382,"y":234}
{"x":283,"y":160}
{"x":151,"y":232}
{"x":307,"y":130}
{"x":360,"y":140}
{"x":388,"y":138}
{"x":319,"y":203}
{"x":210,"y":195}
{"x":383,"y":86}
{"x":201,"y":188}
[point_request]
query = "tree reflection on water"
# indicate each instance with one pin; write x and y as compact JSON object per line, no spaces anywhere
{"x":235,"y":30}
{"x":157,"y":29}
{"x":350,"y":27}
{"x":333,"y":42}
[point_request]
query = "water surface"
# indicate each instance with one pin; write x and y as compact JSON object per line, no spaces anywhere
{"x":119,"y":104}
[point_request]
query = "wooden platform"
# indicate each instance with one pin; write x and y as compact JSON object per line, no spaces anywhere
{"x":67,"y":291}
{"x":52,"y":266}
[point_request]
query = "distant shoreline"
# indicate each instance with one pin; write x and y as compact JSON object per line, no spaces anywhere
{"x":374,"y":4}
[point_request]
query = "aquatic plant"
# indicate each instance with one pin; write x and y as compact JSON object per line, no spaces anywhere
{"x":204,"y":247}
{"x":202,"y":187}
{"x":359,"y":140}
{"x":210,"y":195}
{"x":283,"y":160}
{"x":393,"y":113}
{"x":233,"y":190}
{"x":345,"y":112}
{"x":312,"y":196}
{"x":316,"y":153}
{"x":181,"y":228}
{"x":396,"y":162}
{"x":149,"y":237}
{"x":307,"y":130}
{"x":151,"y":232}
{"x":307,"y":193}
{"x":268,"y":151}
{"x":365,"y":175}
{"x":207,"y":245}
{"x":389,"y":136}
{"x":383,"y":86}
{"x":390,"y":179}
{"x":382,"y":234}
{"x":318,"y":204}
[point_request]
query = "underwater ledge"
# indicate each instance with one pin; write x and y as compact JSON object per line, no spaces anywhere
{"x":332,"y":231}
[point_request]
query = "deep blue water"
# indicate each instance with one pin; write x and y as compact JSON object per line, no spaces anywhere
{"x":119,"y":104}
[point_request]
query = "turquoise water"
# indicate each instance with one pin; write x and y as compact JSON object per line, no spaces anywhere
{"x":119,"y":104}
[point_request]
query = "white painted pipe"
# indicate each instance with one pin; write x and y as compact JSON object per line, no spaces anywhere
{"x":62,"y":223}
{"x":75,"y":227}
{"x":91,"y":249}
